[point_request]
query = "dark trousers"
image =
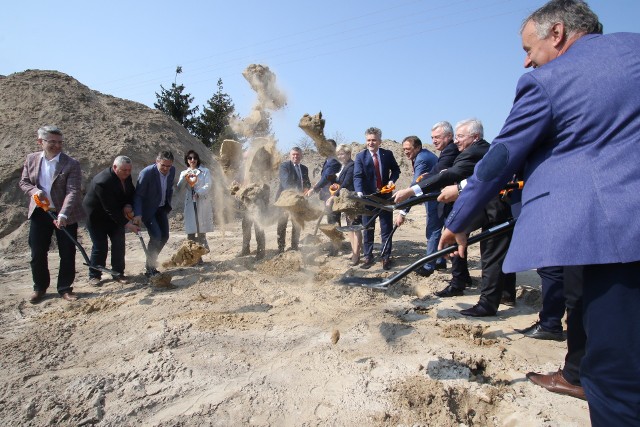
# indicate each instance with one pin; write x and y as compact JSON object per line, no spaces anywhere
{"x":158,"y":229}
{"x":553,"y":301}
{"x":101,"y":232}
{"x":494,"y":281}
{"x":247,"y":223}
{"x":282,"y":232}
{"x":492,"y":254}
{"x":610,"y":369}
{"x":41,"y":230}
{"x":386,"y":225}
{"x":576,"y":336}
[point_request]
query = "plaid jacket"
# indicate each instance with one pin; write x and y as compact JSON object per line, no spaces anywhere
{"x":65,"y":189}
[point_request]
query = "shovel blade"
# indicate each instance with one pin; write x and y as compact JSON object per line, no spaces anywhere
{"x":364,"y":282}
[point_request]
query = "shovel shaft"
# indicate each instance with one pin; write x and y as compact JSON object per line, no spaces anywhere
{"x":375,"y":283}
{"x":82,"y":251}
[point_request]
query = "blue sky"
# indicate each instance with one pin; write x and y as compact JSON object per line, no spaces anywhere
{"x":398,"y":65}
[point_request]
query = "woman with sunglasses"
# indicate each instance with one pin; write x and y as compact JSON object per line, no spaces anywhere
{"x":198,"y":205}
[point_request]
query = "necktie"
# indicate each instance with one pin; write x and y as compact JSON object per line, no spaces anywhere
{"x":299,"y":172}
{"x":376,"y":166}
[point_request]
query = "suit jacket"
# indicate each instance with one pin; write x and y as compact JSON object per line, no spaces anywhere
{"x":330,"y":168}
{"x":462,"y":168}
{"x":423,"y":163}
{"x":289,"y":178}
{"x":65,"y":188}
{"x":345,"y":179}
{"x":446,"y":158}
{"x":148,"y":194}
{"x":364,"y":178}
{"x":574,"y":129}
{"x":106,"y":197}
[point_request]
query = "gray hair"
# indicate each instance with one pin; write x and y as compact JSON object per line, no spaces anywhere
{"x":475,"y":126}
{"x":374,"y":131}
{"x":445,"y":126}
{"x":576,"y":16}
{"x":296,"y":149}
{"x":121,"y":160}
{"x":343,"y":148}
{"x":48,"y":130}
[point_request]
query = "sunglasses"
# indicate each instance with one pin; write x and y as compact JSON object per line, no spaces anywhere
{"x":192,"y":158}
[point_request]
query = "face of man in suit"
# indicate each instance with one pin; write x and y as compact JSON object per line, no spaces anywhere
{"x":540,"y":51}
{"x":51,"y":145}
{"x":295,"y":156}
{"x":122,"y":171}
{"x":440,"y":138}
{"x":373,"y":142}
{"x":164,"y":165}
{"x":409,"y":150}
{"x":464,"y":138}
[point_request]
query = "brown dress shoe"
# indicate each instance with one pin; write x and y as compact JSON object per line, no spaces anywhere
{"x":69,"y":296}
{"x":386,"y":264}
{"x":556,"y":383}
{"x":37,"y":296}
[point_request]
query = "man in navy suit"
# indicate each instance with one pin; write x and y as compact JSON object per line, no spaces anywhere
{"x":374,"y":168}
{"x":573,"y":129}
{"x":422,"y":161}
{"x":293,"y":176}
{"x":152,"y":204}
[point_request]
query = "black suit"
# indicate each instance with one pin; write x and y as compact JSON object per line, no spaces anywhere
{"x":290,"y":180}
{"x":103,"y":203}
{"x":492,"y":251}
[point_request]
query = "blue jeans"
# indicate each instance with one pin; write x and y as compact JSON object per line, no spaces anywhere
{"x":435,"y":222}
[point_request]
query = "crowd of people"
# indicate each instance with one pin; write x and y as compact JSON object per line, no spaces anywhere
{"x":569,"y":136}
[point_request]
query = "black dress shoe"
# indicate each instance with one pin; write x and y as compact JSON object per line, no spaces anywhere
{"x":386,"y":264}
{"x":423,"y":272}
{"x":449,"y":291}
{"x":508,"y":301}
{"x":477,"y":311}
{"x":368,"y":263}
{"x":538,"y":332}
{"x":441,"y":266}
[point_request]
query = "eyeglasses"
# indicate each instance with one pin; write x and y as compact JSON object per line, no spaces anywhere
{"x":192,"y":158}
{"x":52,"y":141}
{"x":460,"y":136}
{"x":166,"y":166}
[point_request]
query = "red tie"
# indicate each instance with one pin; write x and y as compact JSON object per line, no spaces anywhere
{"x":376,"y":165}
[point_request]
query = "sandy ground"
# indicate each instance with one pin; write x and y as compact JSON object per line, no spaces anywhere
{"x":272,"y":343}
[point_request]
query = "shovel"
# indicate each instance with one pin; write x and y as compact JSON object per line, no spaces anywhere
{"x":192,"y":179}
{"x":144,"y":247}
{"x":376,"y":284}
{"x":365,"y":200}
{"x":333,"y":189}
{"x":44,"y":205}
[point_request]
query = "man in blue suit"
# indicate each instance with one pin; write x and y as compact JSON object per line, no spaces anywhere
{"x":330,"y":169}
{"x":152,"y":204}
{"x":422,"y":161}
{"x":573,"y":129}
{"x":374,"y":168}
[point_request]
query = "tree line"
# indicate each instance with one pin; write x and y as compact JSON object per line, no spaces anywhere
{"x":211,"y":126}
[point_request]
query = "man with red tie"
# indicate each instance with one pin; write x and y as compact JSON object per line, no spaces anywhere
{"x":374,"y":168}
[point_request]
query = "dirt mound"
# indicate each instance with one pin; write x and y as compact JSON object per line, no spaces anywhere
{"x":97,"y":128}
